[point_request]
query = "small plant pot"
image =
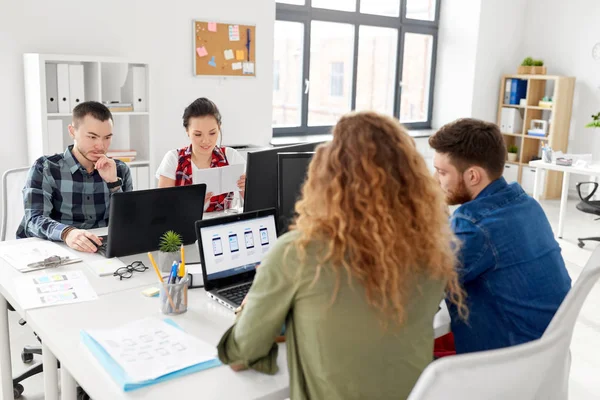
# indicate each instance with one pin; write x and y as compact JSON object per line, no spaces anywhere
{"x":165,"y":260}
{"x":530,"y":70}
{"x":512,"y":157}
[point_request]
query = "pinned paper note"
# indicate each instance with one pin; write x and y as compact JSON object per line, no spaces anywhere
{"x":248,"y":67}
{"x":212,"y":26}
{"x":236,"y":66}
{"x":202,"y":51}
{"x":234,"y":33}
{"x":239,"y":55}
{"x":228,"y":54}
{"x":212,"y":62}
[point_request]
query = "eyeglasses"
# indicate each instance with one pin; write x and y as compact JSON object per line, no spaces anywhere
{"x":127,"y":271}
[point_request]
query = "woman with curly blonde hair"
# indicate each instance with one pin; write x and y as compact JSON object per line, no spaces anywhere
{"x":359,"y":277}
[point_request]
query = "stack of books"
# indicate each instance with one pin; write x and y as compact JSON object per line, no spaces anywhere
{"x":115,"y":106}
{"x":123,"y":155}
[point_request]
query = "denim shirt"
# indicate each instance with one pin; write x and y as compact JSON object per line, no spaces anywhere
{"x":511,"y":268}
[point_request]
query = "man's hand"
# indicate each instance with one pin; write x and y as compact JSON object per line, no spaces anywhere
{"x":82,"y":240}
{"x":207,"y":197}
{"x":238,"y":367}
{"x":107,"y":168}
{"x":241,"y":183}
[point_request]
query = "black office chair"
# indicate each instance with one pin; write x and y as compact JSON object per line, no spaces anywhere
{"x":588,"y":206}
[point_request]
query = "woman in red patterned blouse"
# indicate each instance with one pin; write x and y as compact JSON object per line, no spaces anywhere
{"x":202,"y":123}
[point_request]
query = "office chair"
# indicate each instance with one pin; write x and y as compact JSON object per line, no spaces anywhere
{"x":588,"y":206}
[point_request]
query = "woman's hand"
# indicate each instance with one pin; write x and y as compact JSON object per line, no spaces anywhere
{"x":241,"y":184}
{"x":207,"y":197}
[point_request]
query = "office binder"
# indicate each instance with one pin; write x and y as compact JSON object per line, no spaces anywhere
{"x":507,"y":90}
{"x":518,"y":91}
{"x":119,"y":375}
{"x":62,"y":79}
{"x":134,"y":90}
{"x":51,"y":89}
{"x":76,"y":92}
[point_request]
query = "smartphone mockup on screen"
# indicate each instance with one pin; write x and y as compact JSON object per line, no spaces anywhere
{"x":233,"y":243}
{"x":249,"y":238}
{"x":217,"y":246}
{"x":264,"y":236}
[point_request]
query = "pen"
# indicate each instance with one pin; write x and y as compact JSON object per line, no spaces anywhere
{"x":173,"y":275}
{"x":182,"y":265}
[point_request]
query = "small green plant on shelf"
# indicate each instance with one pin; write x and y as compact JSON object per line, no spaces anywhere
{"x":530,"y":62}
{"x":595,"y":121}
{"x":512,"y":152}
{"x":170,"y":242}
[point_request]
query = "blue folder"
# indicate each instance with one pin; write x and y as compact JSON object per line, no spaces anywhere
{"x":123,"y":380}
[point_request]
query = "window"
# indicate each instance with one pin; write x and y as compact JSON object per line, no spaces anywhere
{"x":334,"y":56}
{"x":336,"y":79}
{"x":276,"y":75}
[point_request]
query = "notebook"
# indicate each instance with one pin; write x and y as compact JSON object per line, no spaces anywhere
{"x":122,"y":379}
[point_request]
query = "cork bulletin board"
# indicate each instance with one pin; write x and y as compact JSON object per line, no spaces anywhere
{"x":224,"y":49}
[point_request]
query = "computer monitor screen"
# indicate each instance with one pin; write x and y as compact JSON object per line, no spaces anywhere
{"x":234,"y":245}
{"x":261,"y":175}
{"x":292,"y":169}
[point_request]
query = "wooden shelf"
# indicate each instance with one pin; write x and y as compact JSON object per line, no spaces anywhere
{"x":512,"y":134}
{"x":512,"y":106}
{"x":537,"y":137}
{"x":539,"y":108}
{"x":513,"y":163}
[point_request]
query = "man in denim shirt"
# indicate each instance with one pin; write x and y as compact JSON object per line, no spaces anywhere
{"x":511,"y":265}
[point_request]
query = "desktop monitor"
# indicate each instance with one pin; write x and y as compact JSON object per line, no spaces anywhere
{"x":292,"y":170}
{"x":261,"y":175}
{"x":138,"y":219}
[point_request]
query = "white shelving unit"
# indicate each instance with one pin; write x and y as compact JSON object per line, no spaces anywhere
{"x":104,"y":79}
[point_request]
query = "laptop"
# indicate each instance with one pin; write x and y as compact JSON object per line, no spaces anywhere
{"x":231,"y":248}
{"x":139,"y":218}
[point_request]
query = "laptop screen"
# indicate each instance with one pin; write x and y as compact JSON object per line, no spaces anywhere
{"x":237,"y":247}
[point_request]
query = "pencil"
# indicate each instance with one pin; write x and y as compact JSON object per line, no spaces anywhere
{"x":155,"y":267}
{"x":182,"y":265}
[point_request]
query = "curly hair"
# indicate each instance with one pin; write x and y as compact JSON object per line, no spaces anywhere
{"x":370,"y":198}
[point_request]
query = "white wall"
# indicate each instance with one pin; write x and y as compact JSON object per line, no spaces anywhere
{"x":159,"y":33}
{"x":479,"y":41}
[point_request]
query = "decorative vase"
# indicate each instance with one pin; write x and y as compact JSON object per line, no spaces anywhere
{"x":512,"y":157}
{"x":165,"y":260}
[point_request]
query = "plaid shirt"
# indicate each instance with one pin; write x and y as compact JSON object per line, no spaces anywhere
{"x":59,"y":192}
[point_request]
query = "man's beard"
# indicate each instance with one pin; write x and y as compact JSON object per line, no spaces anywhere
{"x":458,"y":196}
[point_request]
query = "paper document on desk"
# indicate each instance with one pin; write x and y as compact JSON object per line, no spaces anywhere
{"x":21,"y":253}
{"x":52,"y":289}
{"x":221,"y":180}
{"x":149,"y":348}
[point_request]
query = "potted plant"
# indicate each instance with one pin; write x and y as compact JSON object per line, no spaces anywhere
{"x":512,"y":153}
{"x":595,"y":122}
{"x":531,"y":66}
{"x":168,"y":250}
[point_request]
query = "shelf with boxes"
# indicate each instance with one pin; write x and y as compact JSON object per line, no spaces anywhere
{"x":532,"y":110}
{"x":55,"y":84}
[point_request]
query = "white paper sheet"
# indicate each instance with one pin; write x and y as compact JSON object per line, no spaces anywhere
{"x":149,"y":348}
{"x":23,"y":252}
{"x":52,"y":289}
{"x":221,"y":180}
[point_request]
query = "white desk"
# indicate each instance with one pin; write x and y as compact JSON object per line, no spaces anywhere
{"x":593,"y":171}
{"x":119,"y":302}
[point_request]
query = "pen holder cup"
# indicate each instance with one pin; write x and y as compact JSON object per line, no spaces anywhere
{"x":174,"y":297}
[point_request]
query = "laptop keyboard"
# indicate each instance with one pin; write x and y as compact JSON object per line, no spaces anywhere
{"x":102,"y":249}
{"x":236,"y":294}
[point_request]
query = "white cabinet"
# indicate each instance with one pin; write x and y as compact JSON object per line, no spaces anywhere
{"x":106,"y":79}
{"x":511,"y":173}
{"x":528,"y":180}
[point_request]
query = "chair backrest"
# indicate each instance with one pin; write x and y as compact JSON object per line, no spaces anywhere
{"x":567,"y":313}
{"x":517,"y":372}
{"x":13,"y":182}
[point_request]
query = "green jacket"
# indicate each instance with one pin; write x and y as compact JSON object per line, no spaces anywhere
{"x":338,"y":350}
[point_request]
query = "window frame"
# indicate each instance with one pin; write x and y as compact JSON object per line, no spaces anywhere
{"x":305,"y":14}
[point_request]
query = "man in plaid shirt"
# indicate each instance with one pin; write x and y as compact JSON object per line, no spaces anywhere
{"x":68,"y":193}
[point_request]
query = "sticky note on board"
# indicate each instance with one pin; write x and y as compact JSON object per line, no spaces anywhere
{"x":228,"y":54}
{"x":234,"y":33}
{"x":202,"y":51}
{"x":236,"y":66}
{"x":212,"y":26}
{"x":212,"y":62}
{"x":239,"y":55}
{"x":248,"y":68}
